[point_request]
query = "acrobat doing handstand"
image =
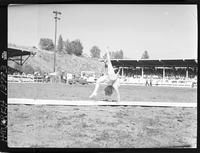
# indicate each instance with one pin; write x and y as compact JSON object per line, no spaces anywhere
{"x":110,"y":77}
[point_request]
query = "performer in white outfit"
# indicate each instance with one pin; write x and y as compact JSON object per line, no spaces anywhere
{"x":110,"y":77}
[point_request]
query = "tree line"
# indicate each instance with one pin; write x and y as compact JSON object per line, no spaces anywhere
{"x":64,"y":47}
{"x":75,"y":47}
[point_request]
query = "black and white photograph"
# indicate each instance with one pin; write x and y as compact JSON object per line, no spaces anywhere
{"x":102,"y":76}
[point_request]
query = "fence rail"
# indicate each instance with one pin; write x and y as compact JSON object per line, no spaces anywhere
{"x":123,"y":81}
{"x":159,"y":82}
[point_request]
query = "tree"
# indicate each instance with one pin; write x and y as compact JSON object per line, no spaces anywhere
{"x":104,"y":56}
{"x":112,"y":55}
{"x":46,"y":44}
{"x":67,"y":47}
{"x":121,"y":54}
{"x":95,"y":52}
{"x":145,"y":55}
{"x":28,"y":69}
{"x":60,"y":46}
{"x":117,"y":55}
{"x":74,"y":47}
{"x":77,"y":47}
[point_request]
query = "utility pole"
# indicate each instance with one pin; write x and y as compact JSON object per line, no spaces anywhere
{"x":56,"y":18}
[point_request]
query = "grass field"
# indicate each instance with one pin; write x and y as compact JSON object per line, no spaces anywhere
{"x":82,"y":92}
{"x":101,"y":126}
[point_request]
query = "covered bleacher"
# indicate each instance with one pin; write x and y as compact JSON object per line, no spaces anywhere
{"x":178,"y":72}
{"x":19,"y":55}
{"x":154,"y":63}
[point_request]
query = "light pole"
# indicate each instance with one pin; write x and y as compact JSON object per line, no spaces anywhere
{"x":56,"y":18}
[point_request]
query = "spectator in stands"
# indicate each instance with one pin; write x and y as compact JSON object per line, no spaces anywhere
{"x":147,"y":82}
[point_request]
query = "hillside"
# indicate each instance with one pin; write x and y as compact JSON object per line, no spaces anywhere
{"x":43,"y":61}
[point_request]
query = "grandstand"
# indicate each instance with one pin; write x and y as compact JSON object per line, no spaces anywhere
{"x":176,"y":72}
{"x":16,"y":54}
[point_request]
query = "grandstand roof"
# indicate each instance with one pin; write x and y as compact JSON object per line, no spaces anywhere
{"x":155,"y":63}
{"x":14,"y":51}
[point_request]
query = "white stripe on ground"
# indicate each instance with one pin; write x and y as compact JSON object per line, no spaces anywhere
{"x":72,"y":102}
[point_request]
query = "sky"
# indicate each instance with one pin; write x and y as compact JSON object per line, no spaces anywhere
{"x":165,"y":31}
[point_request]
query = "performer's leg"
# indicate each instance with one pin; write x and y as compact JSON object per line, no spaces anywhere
{"x":116,"y":87}
{"x":100,"y":80}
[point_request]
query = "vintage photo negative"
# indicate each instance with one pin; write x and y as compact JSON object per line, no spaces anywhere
{"x":102,"y":76}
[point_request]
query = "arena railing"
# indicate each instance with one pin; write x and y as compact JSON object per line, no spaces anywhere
{"x":159,"y":82}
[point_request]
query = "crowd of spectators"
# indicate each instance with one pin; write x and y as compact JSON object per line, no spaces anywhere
{"x":154,"y":76}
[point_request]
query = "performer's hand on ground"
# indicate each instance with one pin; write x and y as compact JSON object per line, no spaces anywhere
{"x":92,"y":95}
{"x":118,"y":98}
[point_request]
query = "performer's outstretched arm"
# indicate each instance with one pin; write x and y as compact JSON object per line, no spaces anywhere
{"x":118,"y":71}
{"x":108,"y":56}
{"x":111,"y":72}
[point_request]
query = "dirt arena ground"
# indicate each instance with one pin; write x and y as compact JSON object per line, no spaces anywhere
{"x":101,"y":126}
